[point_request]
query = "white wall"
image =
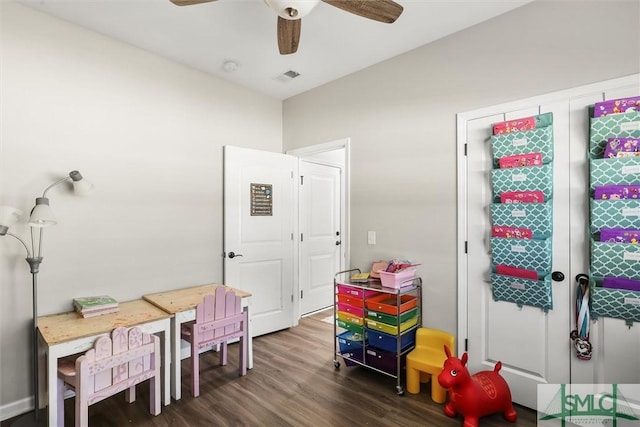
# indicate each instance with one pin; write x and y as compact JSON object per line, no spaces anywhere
{"x":148,"y":132}
{"x":401,"y":118}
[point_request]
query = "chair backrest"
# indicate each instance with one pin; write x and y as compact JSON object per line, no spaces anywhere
{"x":434,"y":340}
{"x":116,"y":363}
{"x":219,"y":317}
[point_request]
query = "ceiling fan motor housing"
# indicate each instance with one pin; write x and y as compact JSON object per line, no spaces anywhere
{"x":292,"y":9}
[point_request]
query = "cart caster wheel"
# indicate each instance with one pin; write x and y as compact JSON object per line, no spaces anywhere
{"x":399,"y":391}
{"x":336,"y":364}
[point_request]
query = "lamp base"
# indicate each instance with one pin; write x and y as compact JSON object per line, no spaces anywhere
{"x":29,"y":419}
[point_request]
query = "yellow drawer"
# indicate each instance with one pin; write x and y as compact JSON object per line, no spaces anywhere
{"x":348,"y":317}
{"x":390,"y":329}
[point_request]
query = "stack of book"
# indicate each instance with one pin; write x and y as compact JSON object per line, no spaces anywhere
{"x":95,"y":306}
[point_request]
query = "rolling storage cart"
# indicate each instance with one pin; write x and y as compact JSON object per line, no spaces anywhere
{"x":375,"y":326}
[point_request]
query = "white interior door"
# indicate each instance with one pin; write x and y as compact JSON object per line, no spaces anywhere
{"x":534,"y":346}
{"x":259,"y":221}
{"x":531,"y":344}
{"x":320,"y":234}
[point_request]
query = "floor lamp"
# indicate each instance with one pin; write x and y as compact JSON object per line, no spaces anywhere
{"x":41,"y":217}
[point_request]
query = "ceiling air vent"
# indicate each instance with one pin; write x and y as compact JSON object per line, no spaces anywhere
{"x":288,"y":76}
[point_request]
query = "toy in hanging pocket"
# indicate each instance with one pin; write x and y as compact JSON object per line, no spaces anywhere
{"x":477,"y":395}
{"x":522,"y":197}
{"x":520,"y":160}
{"x":616,"y":106}
{"x":621,"y":147}
{"x":511,"y":232}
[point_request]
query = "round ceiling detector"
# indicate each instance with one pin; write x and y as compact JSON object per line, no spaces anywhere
{"x":230,"y":66}
{"x":292,"y":9}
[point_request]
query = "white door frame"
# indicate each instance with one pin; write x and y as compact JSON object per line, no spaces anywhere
{"x":306,"y":153}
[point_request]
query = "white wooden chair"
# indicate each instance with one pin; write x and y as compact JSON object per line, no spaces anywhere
{"x":116,"y":363}
{"x":219,"y":319}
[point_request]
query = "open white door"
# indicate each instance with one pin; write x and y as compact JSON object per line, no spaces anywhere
{"x":320,"y":234}
{"x":259,"y":221}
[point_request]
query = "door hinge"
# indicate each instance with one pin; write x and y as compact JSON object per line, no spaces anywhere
{"x":292,"y":236}
{"x":291,"y":297}
{"x":301,"y":294}
{"x":302,"y":237}
{"x":466,"y":344}
{"x":465,"y":148}
{"x":466,"y":247}
{"x":301,"y":179}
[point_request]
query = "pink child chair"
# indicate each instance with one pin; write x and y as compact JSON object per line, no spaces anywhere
{"x":115,"y":363}
{"x":219,"y":319}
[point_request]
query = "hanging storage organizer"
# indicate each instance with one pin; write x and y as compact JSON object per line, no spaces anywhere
{"x":527,"y":159}
{"x":615,"y":261}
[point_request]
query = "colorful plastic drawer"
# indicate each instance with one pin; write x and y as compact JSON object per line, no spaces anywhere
{"x":625,"y":125}
{"x":391,"y":329}
{"x":529,"y":178}
{"x":387,"y":342}
{"x":522,"y":253}
{"x":538,"y":217}
{"x":391,"y":319}
{"x":348,"y":317}
{"x":351,"y":300}
{"x":384,"y":360}
{"x":348,"y":308}
{"x":350,"y":326}
{"x":535,"y":293}
{"x":624,"y":170}
{"x":355,"y":292}
{"x":615,"y":259}
{"x":616,"y":303}
{"x":387,"y":303}
{"x":350,"y":341}
{"x":615,"y":214}
{"x":530,"y":141}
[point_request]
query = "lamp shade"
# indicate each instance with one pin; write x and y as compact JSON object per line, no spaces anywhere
{"x":41,"y":214}
{"x":8,"y":216}
{"x":81,"y":186}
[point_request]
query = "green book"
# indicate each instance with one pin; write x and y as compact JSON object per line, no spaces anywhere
{"x":360,"y":278}
{"x":94,"y":303}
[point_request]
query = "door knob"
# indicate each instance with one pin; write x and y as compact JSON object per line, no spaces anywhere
{"x":557,"y":276}
{"x":338,"y":242}
{"x":233,"y":254}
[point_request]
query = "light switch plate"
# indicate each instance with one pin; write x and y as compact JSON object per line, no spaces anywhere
{"x":371,"y":237}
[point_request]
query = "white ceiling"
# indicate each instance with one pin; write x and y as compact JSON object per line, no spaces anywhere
{"x":333,"y":43}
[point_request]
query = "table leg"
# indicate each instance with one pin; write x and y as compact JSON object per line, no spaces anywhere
{"x":52,"y":386}
{"x":249,"y":332}
{"x":166,"y":360}
{"x":176,"y":385}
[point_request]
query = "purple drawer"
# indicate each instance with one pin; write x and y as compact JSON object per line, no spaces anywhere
{"x":384,"y":360}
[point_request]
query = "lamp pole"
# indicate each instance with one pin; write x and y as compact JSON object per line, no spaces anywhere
{"x":32,"y":418}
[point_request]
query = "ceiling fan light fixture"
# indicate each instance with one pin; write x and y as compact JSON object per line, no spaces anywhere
{"x":292,"y":9}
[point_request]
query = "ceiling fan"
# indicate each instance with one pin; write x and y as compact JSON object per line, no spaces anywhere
{"x":290,"y":13}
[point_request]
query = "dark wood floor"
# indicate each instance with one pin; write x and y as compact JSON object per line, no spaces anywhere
{"x":293,"y":383}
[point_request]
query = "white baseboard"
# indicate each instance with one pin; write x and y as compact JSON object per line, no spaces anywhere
{"x":16,"y":408}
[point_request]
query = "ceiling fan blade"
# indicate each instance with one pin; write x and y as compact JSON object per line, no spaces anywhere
{"x":288,"y":35}
{"x":189,"y":2}
{"x":379,"y":10}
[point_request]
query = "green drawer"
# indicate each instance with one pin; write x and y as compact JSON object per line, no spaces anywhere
{"x":390,"y":319}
